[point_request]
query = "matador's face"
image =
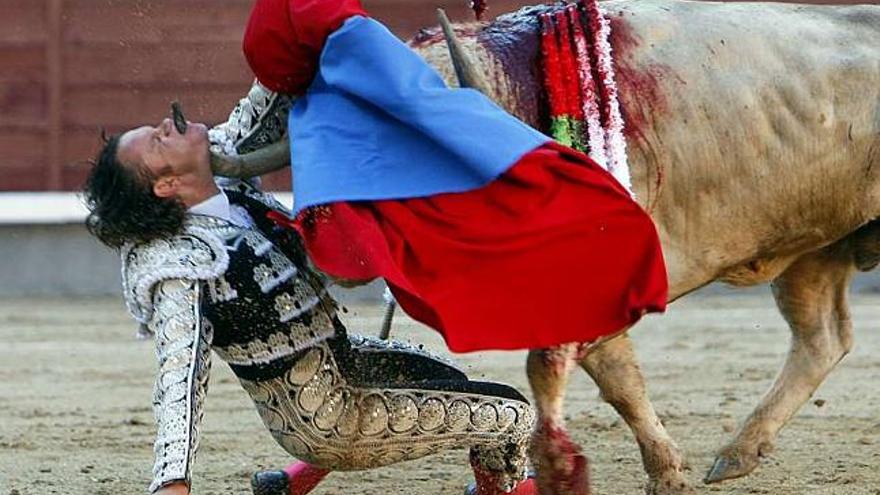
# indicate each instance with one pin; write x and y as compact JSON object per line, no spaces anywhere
{"x":164,"y":152}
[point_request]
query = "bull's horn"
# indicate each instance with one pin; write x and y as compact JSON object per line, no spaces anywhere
{"x":465,"y":69}
{"x":262,"y":161}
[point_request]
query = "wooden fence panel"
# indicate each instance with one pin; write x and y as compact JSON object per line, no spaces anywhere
{"x":22,"y":21}
{"x":22,"y":167}
{"x":23,"y":95}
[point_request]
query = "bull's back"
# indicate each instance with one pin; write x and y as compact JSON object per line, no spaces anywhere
{"x":750,"y":126}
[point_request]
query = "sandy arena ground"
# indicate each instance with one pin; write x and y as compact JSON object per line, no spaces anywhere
{"x":75,"y":413}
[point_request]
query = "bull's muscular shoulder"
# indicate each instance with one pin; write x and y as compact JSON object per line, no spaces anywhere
{"x":195,"y":254}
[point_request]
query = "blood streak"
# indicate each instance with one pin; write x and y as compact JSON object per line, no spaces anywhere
{"x":514,"y":41}
{"x":479,"y":7}
{"x":641,"y":96}
{"x":642,"y":99}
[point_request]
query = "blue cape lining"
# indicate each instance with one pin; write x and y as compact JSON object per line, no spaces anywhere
{"x":379,"y":123}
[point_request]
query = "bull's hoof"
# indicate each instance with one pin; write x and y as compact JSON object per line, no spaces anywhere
{"x":730,"y":465}
{"x":270,"y":483}
{"x":673,"y":483}
{"x":573,"y":479}
{"x":561,"y":466}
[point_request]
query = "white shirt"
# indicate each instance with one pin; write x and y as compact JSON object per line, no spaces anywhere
{"x":218,"y":206}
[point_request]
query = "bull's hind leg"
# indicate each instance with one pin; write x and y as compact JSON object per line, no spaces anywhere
{"x":559,"y":462}
{"x":614,"y":368}
{"x":811,"y":294}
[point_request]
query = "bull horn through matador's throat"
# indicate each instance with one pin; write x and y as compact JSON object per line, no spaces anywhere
{"x":465,"y":69}
{"x":262,"y":161}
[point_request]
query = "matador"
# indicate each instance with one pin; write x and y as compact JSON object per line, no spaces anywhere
{"x":206,"y":269}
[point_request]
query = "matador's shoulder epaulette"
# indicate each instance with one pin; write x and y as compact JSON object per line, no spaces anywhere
{"x":195,"y":254}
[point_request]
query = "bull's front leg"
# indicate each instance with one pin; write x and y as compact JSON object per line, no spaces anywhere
{"x":561,"y":466}
{"x":614,"y":368}
{"x":811,"y":294}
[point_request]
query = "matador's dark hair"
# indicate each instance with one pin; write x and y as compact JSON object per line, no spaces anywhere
{"x":122,"y":205}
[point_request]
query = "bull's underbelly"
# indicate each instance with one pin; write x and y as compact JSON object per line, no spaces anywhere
{"x":757,"y":271}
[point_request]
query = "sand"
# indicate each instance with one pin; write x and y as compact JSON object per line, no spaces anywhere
{"x":75,"y":416}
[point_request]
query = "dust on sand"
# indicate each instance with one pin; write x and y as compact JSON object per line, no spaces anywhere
{"x":75,"y":417}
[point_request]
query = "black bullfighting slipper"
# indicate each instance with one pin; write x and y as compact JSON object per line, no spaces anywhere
{"x":270,"y":483}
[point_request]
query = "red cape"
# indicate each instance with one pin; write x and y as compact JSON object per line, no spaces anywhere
{"x":554,"y":251}
{"x":284,"y":38}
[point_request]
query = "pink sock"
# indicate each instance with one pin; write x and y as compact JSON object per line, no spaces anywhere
{"x":304,"y":477}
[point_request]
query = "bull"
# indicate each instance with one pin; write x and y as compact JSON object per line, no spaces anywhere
{"x":753,"y":132}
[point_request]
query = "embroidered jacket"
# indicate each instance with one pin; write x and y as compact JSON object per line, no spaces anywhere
{"x":246,"y":293}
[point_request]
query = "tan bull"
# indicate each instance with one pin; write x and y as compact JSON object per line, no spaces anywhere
{"x":754,"y":143}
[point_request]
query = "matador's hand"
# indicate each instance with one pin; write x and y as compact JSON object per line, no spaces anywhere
{"x":259,"y":119}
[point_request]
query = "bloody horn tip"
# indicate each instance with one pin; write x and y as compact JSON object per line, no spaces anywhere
{"x":178,"y":118}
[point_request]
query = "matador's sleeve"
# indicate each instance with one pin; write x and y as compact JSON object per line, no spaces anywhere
{"x":284,"y":38}
{"x":183,"y":349}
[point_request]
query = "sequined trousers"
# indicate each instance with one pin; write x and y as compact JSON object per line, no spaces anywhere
{"x":352,"y":403}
